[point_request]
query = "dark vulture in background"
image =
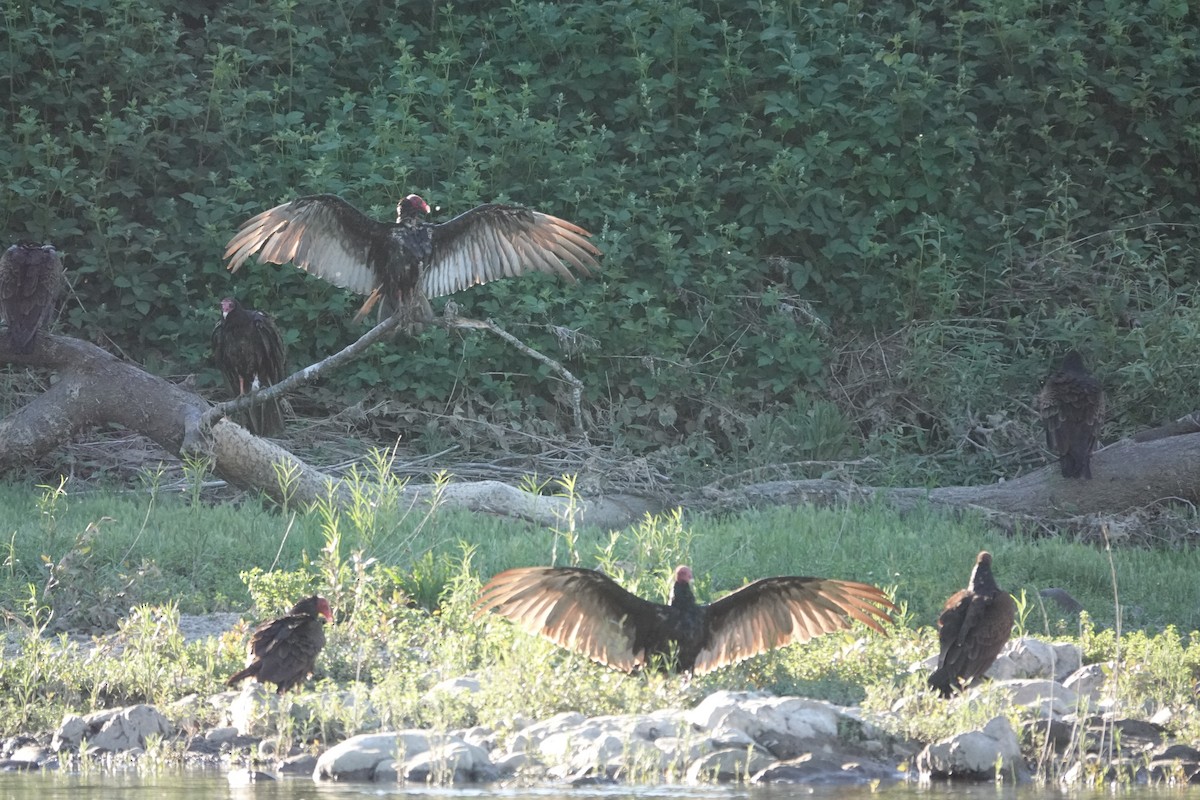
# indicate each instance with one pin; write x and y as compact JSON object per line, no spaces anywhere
{"x":406,"y":262}
{"x":972,"y":629}
{"x":250,"y":353}
{"x":31,"y":279}
{"x":1072,"y":408}
{"x":586,"y":611}
{"x":284,"y":651}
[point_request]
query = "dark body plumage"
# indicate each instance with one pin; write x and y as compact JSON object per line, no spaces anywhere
{"x":284,"y":651}
{"x":31,"y":279}
{"x":250,"y":353}
{"x":972,"y":629}
{"x":406,"y":262}
{"x":586,"y":611}
{"x":1072,"y":408}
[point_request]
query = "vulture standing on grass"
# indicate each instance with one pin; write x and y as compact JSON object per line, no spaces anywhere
{"x":250,"y":353}
{"x":1072,"y":408}
{"x":284,"y":651}
{"x":586,"y":611}
{"x":972,"y":629}
{"x":406,"y":262}
{"x":31,"y":279}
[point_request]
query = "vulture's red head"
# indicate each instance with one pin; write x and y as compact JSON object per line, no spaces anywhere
{"x":683,"y":574}
{"x":227,"y":304}
{"x":410,"y":207}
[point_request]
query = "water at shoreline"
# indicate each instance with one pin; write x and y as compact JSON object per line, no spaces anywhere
{"x":189,"y":784}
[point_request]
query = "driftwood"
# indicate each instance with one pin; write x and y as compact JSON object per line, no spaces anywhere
{"x":93,"y":388}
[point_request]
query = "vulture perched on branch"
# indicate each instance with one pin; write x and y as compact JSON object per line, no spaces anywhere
{"x":586,"y":611}
{"x":406,"y":262}
{"x":972,"y":629}
{"x":250,"y":353}
{"x":284,"y":651}
{"x":31,"y":279}
{"x":1072,"y":408}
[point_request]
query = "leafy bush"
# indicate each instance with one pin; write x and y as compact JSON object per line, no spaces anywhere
{"x":758,"y":175}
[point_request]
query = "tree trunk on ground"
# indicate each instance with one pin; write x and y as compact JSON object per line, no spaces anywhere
{"x":93,"y":388}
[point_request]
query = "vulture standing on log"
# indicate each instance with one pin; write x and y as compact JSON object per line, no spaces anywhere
{"x":972,"y":629}
{"x":250,"y":353}
{"x":31,"y":279}
{"x":586,"y":611}
{"x":1072,"y":408}
{"x":284,"y":651}
{"x":407,"y":262}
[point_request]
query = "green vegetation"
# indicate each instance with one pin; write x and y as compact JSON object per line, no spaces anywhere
{"x":402,"y":584}
{"x":784,"y":192}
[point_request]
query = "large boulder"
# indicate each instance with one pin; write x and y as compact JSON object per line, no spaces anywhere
{"x":976,"y":755}
{"x":357,"y":758}
{"x":112,"y":730}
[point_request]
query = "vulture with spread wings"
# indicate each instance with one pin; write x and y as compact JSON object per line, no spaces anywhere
{"x":588,"y":612}
{"x":406,"y":262}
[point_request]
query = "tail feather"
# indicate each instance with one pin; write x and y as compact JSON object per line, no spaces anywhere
{"x":237,"y":677}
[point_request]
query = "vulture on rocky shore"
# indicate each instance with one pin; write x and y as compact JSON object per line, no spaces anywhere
{"x":972,"y":629}
{"x":284,"y":650}
{"x":31,"y":279}
{"x":406,"y":262}
{"x":1072,"y":408}
{"x":250,"y":353}
{"x":586,"y":611}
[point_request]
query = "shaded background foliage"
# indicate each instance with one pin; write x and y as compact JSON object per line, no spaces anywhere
{"x":850,"y":227}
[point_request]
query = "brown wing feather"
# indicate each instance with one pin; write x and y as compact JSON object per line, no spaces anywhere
{"x":283,"y":651}
{"x":579,"y":609}
{"x":496,"y":241}
{"x":321,"y":234}
{"x":972,"y":630}
{"x":773,"y":612}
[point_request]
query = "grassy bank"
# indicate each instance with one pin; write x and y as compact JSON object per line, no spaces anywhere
{"x":402,"y":581}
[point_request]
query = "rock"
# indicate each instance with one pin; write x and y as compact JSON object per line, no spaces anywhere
{"x":69,"y":734}
{"x":530,"y":737}
{"x":356,"y":758}
{"x":248,"y":777}
{"x":511,"y":764}
{"x":29,"y":756}
{"x":783,"y":725}
{"x":113,"y":730}
{"x":977,"y":755}
{"x":1032,"y":658}
{"x":1088,"y":681}
{"x":453,"y":687}
{"x":725,"y":766}
{"x":303,"y":764}
{"x":219,"y":736}
{"x":1047,"y":697}
{"x":824,"y":770}
{"x":452,"y":762}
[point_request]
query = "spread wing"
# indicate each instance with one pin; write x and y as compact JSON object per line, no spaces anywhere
{"x":580,"y":609}
{"x":497,"y":241}
{"x":774,"y":612}
{"x":321,"y":234}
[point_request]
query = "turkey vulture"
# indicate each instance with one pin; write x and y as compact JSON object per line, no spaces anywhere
{"x":250,"y":353}
{"x":1072,"y":408}
{"x":31,"y":279}
{"x":586,"y":611}
{"x":406,"y":262}
{"x":972,"y":629}
{"x":284,"y":651}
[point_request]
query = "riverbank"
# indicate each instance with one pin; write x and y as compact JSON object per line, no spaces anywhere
{"x":1043,"y":718}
